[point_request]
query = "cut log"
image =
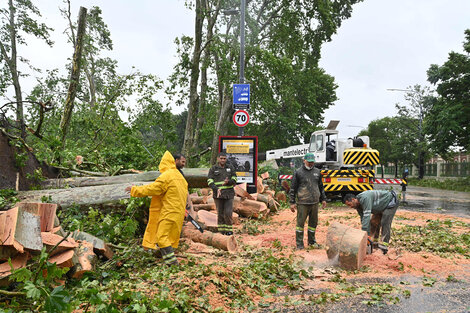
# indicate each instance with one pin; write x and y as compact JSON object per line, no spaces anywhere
{"x":99,"y":246}
{"x":83,"y":259}
{"x":216,"y":240}
{"x":208,"y":220}
{"x":251,"y":208}
{"x":206,"y":207}
{"x":50,"y":240}
{"x":205,"y":191}
{"x":265,"y":175}
{"x":63,"y":259}
{"x":19,"y":261}
{"x":346,"y":245}
{"x":281,"y":196}
{"x":259,"y":185}
{"x":27,"y":230}
{"x":267,"y":199}
{"x":196,"y":178}
{"x":198,"y":199}
{"x":240,"y":190}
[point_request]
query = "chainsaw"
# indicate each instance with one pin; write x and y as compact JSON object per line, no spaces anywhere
{"x":193,"y":221}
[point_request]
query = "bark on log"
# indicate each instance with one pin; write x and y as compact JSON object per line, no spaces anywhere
{"x":99,"y":246}
{"x":206,"y":207}
{"x":83,"y":196}
{"x":346,"y":245}
{"x":227,"y":243}
{"x":84,"y":259}
{"x":196,"y":177}
{"x":259,"y":185}
{"x":281,"y":196}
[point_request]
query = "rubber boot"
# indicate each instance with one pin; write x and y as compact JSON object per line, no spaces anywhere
{"x":168,"y":255}
{"x":299,"y":239}
{"x":311,"y":238}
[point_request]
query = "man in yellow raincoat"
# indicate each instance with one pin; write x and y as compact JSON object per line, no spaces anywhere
{"x":169,"y":194}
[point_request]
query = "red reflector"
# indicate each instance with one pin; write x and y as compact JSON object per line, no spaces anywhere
{"x":360,"y":180}
{"x":327,"y":180}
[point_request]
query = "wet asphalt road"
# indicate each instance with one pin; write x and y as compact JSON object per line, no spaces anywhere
{"x":443,"y":296}
{"x":431,"y":200}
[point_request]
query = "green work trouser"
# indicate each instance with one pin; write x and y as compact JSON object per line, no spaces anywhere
{"x":382,"y":221}
{"x":304,"y":211}
{"x":224,"y":215}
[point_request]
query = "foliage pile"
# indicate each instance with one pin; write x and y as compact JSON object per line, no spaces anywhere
{"x":438,"y":237}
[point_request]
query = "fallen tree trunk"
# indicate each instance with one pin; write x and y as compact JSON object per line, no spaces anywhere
{"x":196,"y":177}
{"x":82,"y":196}
{"x":227,"y":243}
{"x":206,"y":207}
{"x":346,"y":245}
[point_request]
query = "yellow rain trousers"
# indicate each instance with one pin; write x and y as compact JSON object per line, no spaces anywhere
{"x":169,"y":194}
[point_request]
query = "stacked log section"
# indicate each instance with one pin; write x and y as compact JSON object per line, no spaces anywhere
{"x":216,"y":240}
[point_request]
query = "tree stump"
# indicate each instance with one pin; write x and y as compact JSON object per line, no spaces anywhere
{"x":346,"y":245}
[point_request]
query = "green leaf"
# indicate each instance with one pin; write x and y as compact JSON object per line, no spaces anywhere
{"x":32,"y":291}
{"x":58,"y":301}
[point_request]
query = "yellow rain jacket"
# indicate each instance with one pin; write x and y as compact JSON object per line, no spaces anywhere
{"x":169,"y":193}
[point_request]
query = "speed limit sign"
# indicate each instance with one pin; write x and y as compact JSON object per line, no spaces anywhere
{"x":241,"y":118}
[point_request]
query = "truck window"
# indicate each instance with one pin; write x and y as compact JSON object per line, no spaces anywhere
{"x":312,"y":146}
{"x":319,"y":141}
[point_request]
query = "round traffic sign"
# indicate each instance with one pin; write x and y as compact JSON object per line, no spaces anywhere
{"x":241,"y":118}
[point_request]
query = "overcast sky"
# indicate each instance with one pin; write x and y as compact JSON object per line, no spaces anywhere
{"x":385,"y":44}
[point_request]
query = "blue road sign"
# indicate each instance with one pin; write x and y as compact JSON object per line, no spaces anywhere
{"x":241,"y":94}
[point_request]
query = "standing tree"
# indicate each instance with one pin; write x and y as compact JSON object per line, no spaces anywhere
{"x":16,"y":22}
{"x":449,"y":114}
{"x":412,"y":121}
{"x":290,"y":92}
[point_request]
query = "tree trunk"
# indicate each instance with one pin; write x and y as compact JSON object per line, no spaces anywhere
{"x":196,"y":177}
{"x":193,"y":96}
{"x":346,"y":245}
{"x":251,"y":208}
{"x":75,"y":76}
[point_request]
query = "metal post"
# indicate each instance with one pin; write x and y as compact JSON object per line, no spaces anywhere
{"x":242,"y":51}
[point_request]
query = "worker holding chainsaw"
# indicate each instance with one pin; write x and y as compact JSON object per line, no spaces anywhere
{"x":221,"y":179}
{"x":305,"y":194}
{"x":169,"y":194}
{"x":376,"y":209}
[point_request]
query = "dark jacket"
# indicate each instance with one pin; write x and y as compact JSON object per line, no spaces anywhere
{"x":307,"y":185}
{"x":216,"y":179}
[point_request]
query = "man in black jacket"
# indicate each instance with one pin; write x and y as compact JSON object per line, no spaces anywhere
{"x":221,"y":179}
{"x":307,"y":187}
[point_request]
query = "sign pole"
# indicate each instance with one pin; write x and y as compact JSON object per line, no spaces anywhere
{"x":242,"y":52}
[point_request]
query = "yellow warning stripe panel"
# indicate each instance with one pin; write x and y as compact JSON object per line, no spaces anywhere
{"x":361,"y":156}
{"x":351,"y":187}
{"x":348,"y":173}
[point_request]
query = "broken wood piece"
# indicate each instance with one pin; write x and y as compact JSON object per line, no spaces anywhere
{"x":198,"y":199}
{"x":208,"y":220}
{"x":50,"y":240}
{"x":267,"y":199}
{"x":18,"y":261}
{"x":216,"y":240}
{"x":28,"y":226}
{"x":83,"y":259}
{"x":63,"y":259}
{"x":346,"y":245}
{"x":265,"y":175}
{"x":46,"y":211}
{"x":99,"y":246}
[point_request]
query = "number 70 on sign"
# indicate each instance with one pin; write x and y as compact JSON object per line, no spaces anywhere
{"x":241,"y":118}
